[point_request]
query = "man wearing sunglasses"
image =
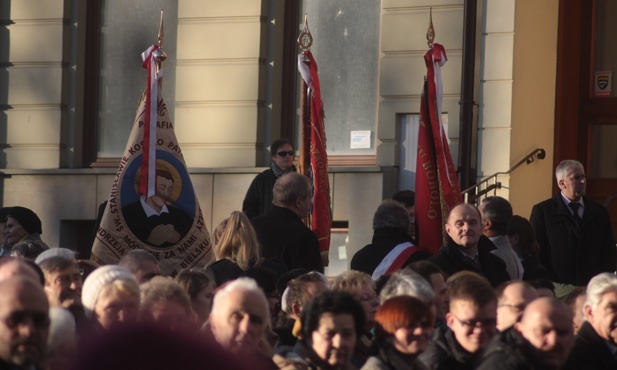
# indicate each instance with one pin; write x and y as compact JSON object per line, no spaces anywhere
{"x":258,"y":199}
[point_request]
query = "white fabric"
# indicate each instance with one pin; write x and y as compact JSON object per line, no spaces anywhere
{"x":509,"y":256}
{"x":389,"y":259}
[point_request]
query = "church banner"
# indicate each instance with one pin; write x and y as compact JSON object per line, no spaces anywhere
{"x":161,"y":213}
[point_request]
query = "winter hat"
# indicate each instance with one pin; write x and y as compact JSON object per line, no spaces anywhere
{"x":55,"y":252}
{"x":99,"y":279}
{"x":27,"y":219}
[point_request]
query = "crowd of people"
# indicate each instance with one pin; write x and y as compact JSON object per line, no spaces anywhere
{"x":493,"y":297}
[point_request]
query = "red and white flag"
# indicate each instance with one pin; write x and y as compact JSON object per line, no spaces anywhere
{"x":437,"y":188}
{"x":321,"y":216}
{"x":152,"y":203}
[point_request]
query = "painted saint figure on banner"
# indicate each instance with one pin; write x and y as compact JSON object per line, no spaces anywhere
{"x":163,"y":219}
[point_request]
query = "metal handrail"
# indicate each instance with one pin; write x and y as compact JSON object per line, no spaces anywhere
{"x":528,"y":159}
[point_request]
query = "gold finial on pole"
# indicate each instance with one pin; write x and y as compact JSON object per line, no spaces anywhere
{"x":159,"y":54}
{"x":430,"y":33}
{"x":305,"y":39}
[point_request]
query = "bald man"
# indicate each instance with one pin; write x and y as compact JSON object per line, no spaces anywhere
{"x":11,"y":267}
{"x":512,"y":298}
{"x":467,"y":249}
{"x":541,"y":340}
{"x":24,"y":323}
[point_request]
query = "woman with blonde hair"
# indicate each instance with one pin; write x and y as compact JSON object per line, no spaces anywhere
{"x":362,"y":287}
{"x":237,"y":251}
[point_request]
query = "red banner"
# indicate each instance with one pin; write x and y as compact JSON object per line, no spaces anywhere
{"x":321,"y":217}
{"x":437,"y":188}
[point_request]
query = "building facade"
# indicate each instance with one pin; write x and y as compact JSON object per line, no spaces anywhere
{"x":71,"y":76}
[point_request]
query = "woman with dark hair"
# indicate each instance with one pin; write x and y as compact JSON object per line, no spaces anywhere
{"x":523,"y":240}
{"x":200,"y":289}
{"x":404,"y":327}
{"x":331,"y":324}
{"x":237,"y":251}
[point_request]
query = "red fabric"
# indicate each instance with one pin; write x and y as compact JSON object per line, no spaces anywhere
{"x":150,"y":65}
{"x":322,"y":214}
{"x":437,"y":188}
{"x":401,"y":259}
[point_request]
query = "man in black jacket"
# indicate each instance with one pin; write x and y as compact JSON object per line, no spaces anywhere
{"x":467,"y":249}
{"x":282,"y":235}
{"x":471,"y":324}
{"x":391,"y":248}
{"x":574,"y":232}
{"x":541,"y":340}
{"x":595,"y":346}
{"x":258,"y":199}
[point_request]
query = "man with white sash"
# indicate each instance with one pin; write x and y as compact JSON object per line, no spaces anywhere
{"x":391,"y":248}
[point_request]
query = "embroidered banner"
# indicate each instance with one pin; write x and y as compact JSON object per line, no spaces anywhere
{"x":167,"y":222}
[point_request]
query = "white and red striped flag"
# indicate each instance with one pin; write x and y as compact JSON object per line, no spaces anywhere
{"x":437,"y":188}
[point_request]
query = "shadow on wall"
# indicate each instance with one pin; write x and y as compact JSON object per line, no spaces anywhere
{"x":5,"y":11}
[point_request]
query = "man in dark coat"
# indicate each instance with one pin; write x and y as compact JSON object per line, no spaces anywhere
{"x":541,"y":340}
{"x":390,"y":231}
{"x":467,"y":249}
{"x":471,"y":325}
{"x":282,"y":235}
{"x":595,"y":346}
{"x":258,"y":199}
{"x":574,"y":232}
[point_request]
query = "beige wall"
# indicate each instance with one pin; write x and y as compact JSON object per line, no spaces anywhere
{"x":533,"y":101}
{"x":34,"y":68}
{"x":220,"y":91}
{"x":402,"y":69}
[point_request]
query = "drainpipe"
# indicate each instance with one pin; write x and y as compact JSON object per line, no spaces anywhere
{"x":467,"y":175}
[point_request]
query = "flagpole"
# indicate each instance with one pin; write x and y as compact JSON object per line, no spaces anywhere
{"x":159,"y":55}
{"x":305,"y":41}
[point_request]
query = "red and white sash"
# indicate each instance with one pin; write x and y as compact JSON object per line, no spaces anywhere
{"x":394,"y":260}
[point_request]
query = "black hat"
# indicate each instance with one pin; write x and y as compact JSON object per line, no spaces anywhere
{"x":4,"y":212}
{"x":27,"y":219}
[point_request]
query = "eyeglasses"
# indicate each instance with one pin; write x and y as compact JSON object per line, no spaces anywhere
{"x":286,"y":154}
{"x":486,"y":323}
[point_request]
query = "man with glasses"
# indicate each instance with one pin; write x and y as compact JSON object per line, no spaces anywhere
{"x":63,"y":283}
{"x":574,"y":232}
{"x":512,"y":298}
{"x":258,"y":199}
{"x":541,"y":340}
{"x":471,"y":324}
{"x":24,"y":323}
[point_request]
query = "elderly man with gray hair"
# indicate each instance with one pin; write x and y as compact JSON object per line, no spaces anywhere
{"x":595,"y":346}
{"x":574,"y":232}
{"x":239,"y":319}
{"x":281,"y":232}
{"x":391,"y":248}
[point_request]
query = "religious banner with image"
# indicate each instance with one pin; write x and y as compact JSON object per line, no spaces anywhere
{"x":152,"y":204}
